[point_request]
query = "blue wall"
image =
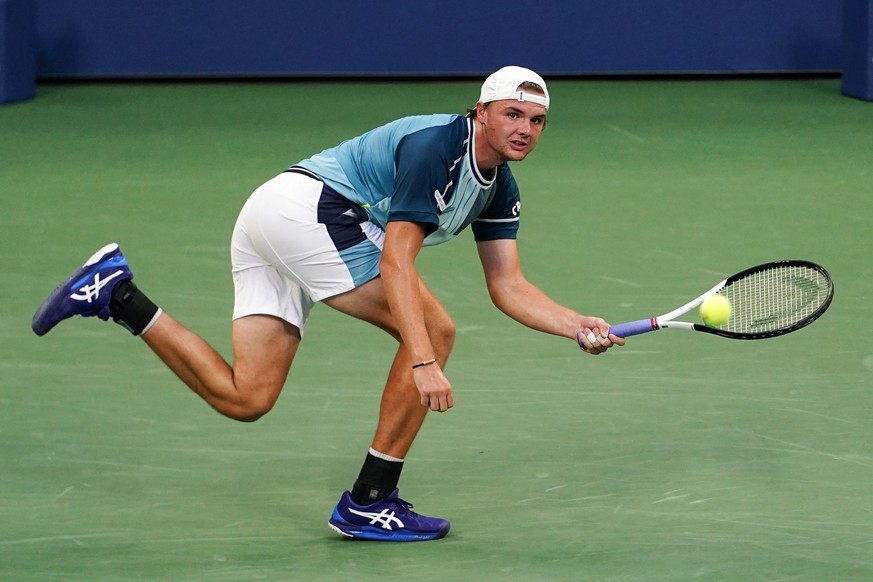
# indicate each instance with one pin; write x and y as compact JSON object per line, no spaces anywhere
{"x":120,"y":38}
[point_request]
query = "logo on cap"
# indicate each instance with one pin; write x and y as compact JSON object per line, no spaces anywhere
{"x":505,"y":83}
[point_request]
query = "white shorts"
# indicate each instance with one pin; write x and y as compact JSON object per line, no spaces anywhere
{"x":296,"y":242}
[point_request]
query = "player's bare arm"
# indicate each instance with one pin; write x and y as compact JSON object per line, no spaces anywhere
{"x":403,"y":241}
{"x":526,"y":303}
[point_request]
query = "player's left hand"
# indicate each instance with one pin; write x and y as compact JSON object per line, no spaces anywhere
{"x":434,"y":388}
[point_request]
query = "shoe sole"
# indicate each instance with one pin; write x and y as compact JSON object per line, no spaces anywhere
{"x":382,"y":535}
{"x":96,"y":257}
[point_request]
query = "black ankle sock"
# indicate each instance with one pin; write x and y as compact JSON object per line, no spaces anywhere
{"x":130,"y":308}
{"x":377,"y":480}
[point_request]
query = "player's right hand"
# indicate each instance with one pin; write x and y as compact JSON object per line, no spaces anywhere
{"x":594,"y":338}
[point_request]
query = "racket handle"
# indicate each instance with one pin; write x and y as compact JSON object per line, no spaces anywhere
{"x":634,"y":327}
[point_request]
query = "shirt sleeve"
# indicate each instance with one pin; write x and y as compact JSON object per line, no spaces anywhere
{"x":500,"y":219}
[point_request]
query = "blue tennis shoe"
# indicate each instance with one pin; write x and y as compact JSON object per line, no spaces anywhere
{"x":390,"y":520}
{"x":86,"y":292}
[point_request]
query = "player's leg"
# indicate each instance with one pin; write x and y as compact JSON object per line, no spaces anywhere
{"x":318,"y":242}
{"x":264,"y":347}
{"x":401,"y":415}
{"x":273,"y":239}
{"x":270,"y":309}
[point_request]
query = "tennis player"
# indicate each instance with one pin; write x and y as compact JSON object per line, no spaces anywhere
{"x":344,"y":228}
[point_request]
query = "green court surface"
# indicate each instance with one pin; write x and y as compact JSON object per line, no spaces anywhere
{"x":679,"y":457}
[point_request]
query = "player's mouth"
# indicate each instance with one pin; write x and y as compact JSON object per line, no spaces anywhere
{"x":518,"y":145}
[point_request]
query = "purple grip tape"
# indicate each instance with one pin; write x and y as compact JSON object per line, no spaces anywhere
{"x":633,"y":327}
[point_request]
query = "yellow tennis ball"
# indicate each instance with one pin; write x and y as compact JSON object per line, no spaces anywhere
{"x":716,"y":310}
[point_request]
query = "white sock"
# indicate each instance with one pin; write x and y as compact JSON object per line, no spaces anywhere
{"x":383,"y":456}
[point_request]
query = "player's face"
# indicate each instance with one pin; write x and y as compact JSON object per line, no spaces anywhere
{"x":511,"y":130}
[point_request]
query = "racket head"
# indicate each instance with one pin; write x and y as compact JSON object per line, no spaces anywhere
{"x":773,"y":299}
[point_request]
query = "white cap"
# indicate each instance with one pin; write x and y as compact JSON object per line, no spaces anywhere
{"x":503,"y":84}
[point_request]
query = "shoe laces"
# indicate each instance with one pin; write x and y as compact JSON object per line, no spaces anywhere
{"x":405,"y":506}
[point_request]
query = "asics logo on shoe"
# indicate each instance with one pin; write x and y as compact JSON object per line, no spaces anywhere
{"x":90,"y":292}
{"x":382,"y":517}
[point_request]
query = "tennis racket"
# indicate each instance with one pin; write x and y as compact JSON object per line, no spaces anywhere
{"x":767,"y":301}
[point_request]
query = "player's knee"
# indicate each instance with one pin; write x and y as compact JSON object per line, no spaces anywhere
{"x":251,"y":412}
{"x":252,"y":407}
{"x":444,"y":333}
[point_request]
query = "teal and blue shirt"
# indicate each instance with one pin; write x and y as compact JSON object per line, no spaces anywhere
{"x":422,"y":169}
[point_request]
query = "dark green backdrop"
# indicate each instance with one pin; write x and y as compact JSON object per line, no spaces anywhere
{"x":677,"y":457}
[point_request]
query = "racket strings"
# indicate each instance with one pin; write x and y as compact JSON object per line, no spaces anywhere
{"x":774,"y":299}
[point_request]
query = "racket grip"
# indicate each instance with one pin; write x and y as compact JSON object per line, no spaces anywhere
{"x":634,"y":327}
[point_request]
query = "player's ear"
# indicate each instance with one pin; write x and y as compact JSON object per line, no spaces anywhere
{"x":481,"y":111}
